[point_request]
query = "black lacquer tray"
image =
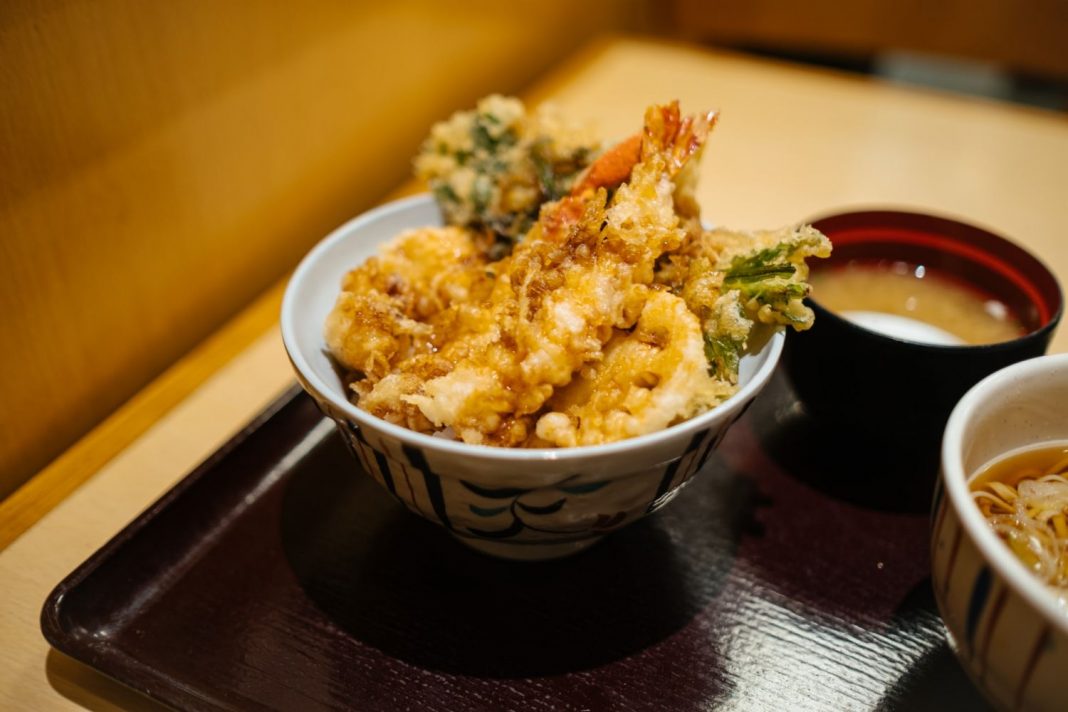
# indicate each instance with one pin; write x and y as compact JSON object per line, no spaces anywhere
{"x":791,"y":574}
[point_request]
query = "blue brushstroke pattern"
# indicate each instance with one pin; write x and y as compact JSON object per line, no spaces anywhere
{"x":976,"y":604}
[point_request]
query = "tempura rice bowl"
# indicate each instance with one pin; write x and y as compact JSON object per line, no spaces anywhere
{"x":514,"y":503}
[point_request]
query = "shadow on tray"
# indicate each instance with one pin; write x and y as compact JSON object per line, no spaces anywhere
{"x":405,"y":587}
{"x":844,"y":465}
{"x":935,"y":681}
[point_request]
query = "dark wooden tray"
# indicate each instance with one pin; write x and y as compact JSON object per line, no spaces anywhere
{"x":791,"y":574}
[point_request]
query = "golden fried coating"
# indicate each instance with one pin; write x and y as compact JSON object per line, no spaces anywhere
{"x":438,"y":347}
{"x":650,"y":377}
{"x":403,"y":301}
{"x":733,"y":280}
{"x":579,"y":275}
{"x":493,"y":167}
{"x":615,"y":315}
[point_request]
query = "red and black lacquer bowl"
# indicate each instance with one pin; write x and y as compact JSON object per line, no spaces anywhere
{"x":895,"y":393}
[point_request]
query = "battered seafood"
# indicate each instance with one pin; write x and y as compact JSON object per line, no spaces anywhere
{"x":615,"y":315}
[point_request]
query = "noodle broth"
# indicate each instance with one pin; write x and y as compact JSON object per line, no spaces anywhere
{"x":913,"y":302}
{"x":1024,"y":497}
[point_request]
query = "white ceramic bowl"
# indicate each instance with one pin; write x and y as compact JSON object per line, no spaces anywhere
{"x":516,"y":503}
{"x":1004,"y":624}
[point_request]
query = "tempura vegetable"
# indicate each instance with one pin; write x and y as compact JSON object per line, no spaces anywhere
{"x":494,"y":167}
{"x":733,"y":280}
{"x":566,"y":303}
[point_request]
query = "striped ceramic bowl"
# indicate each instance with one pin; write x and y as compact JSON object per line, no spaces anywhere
{"x":523,"y":504}
{"x":1006,"y":628}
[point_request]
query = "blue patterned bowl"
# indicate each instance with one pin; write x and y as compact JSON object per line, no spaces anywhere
{"x":514,"y":503}
{"x":1006,"y":627}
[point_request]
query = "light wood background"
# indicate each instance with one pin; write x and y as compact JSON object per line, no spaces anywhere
{"x":162,"y":163}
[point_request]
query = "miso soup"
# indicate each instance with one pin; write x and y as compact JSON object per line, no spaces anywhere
{"x":912,"y":302}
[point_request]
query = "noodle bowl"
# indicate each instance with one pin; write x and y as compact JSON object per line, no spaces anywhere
{"x":995,"y":578}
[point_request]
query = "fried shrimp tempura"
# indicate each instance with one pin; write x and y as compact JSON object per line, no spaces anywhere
{"x":579,"y":274}
{"x":615,"y":315}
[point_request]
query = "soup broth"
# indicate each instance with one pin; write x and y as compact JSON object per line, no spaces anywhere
{"x":1024,"y":497}
{"x":911,"y":302}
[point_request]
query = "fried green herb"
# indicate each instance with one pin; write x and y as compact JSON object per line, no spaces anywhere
{"x":771,"y":281}
{"x":724,"y":355}
{"x":734,"y":281}
{"x":494,"y":167}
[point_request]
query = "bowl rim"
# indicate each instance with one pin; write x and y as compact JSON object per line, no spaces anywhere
{"x":951,"y":230}
{"x":773,"y":348}
{"x":955,"y":481}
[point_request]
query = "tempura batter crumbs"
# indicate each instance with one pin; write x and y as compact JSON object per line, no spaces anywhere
{"x":614,"y":315}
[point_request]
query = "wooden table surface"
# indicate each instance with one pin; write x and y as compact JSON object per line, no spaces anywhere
{"x":792,"y":143}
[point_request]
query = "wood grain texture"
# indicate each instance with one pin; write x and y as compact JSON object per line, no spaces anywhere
{"x":846,"y":142}
{"x":165,"y":163}
{"x":26,"y":505}
{"x":1020,"y":35}
{"x":83,"y":459}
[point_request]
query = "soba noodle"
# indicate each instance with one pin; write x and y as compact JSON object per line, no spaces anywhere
{"x":1024,"y":497}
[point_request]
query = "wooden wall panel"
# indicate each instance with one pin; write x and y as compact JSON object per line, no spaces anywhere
{"x":1022,"y":35}
{"x":163,"y":163}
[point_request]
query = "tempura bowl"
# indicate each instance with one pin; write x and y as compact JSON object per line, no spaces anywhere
{"x":1005,"y":626}
{"x":514,"y":503}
